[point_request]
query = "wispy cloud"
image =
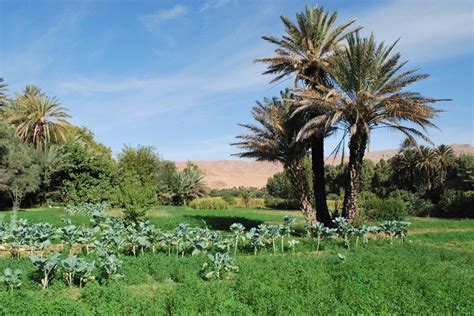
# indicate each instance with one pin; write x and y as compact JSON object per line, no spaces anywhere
{"x":39,"y":51}
{"x":154,"y":19}
{"x":213,"y":4}
{"x":429,"y":30}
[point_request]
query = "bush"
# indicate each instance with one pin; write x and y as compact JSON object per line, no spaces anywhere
{"x":209,"y":203}
{"x":420,"y":207}
{"x":136,"y":198}
{"x":229,"y":198}
{"x":456,"y":204}
{"x":280,"y":204}
{"x":250,"y":203}
{"x":384,"y":209}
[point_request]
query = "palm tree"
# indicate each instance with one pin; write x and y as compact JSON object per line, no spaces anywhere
{"x":369,"y":94}
{"x":273,"y":139}
{"x":305,"y":52}
{"x":189,"y":184}
{"x":38,"y":119}
{"x":445,"y":158}
{"x":3,"y":89}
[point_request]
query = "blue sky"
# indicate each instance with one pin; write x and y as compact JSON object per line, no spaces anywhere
{"x":179,"y":75}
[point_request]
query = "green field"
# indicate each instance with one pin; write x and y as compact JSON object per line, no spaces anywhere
{"x":432,"y":272}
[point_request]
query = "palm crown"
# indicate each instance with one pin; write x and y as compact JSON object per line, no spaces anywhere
{"x":274,"y":138}
{"x":38,"y":119}
{"x":307,"y":47}
{"x":369,"y":91}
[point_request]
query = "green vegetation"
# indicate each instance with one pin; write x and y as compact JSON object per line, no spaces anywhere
{"x":138,"y":236}
{"x":334,"y":279}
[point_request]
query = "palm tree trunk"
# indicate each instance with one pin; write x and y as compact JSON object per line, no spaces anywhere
{"x":319,"y":181}
{"x":357,"y":146}
{"x":298,"y":182}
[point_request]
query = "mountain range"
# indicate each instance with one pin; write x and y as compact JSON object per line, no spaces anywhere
{"x":226,"y":174}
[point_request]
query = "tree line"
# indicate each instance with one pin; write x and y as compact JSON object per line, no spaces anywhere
{"x":46,"y":160}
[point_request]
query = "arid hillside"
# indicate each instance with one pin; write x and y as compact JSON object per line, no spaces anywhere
{"x":220,"y":174}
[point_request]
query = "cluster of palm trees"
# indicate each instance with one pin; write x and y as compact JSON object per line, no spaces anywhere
{"x":38,"y":120}
{"x":342,"y":82}
{"x":421,"y":168}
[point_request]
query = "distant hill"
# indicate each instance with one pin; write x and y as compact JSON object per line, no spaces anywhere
{"x":226,"y":174}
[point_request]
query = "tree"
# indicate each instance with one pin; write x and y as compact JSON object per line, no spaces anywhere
{"x":38,"y":119}
{"x":135,"y":197}
{"x":143,"y":161}
{"x":279,"y":185}
{"x":444,"y":156}
{"x":382,"y":175}
{"x":189,"y":185}
{"x":461,"y":175}
{"x":273,"y":139}
{"x":88,"y":174}
{"x":3,"y":96}
{"x":305,"y":52}
{"x":369,"y":94}
{"x":20,"y":172}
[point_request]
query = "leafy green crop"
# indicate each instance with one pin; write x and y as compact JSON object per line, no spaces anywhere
{"x":46,"y":267}
{"x":11,"y":278}
{"x":218,"y":264}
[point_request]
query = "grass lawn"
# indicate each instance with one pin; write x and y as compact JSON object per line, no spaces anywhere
{"x":432,"y":272}
{"x":168,"y":217}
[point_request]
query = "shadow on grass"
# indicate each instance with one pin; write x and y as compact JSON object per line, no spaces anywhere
{"x":224,"y":222}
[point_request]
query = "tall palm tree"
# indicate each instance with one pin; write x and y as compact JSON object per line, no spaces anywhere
{"x":305,"y":53}
{"x":369,"y":94}
{"x":444,"y":156}
{"x":273,"y":139}
{"x":38,"y":119}
{"x":3,"y":89}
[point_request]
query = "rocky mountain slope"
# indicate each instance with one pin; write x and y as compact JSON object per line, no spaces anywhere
{"x":220,"y":174}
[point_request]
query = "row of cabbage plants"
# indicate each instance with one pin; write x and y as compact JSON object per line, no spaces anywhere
{"x":94,"y":251}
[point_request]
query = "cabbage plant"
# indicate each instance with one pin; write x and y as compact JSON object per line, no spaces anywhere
{"x":344,"y":229}
{"x":67,"y":234}
{"x":111,"y":266}
{"x":218,"y":264}
{"x":286,"y":229}
{"x":239,"y":235}
{"x":292,"y":243}
{"x":320,"y":231}
{"x":394,"y":229}
{"x":11,"y":278}
{"x":273,"y":234}
{"x":361,"y":232}
{"x":85,"y":237}
{"x":46,"y":267}
{"x":77,"y":269}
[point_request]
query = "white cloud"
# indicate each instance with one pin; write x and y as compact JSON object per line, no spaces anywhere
{"x":213,"y":4}
{"x":429,"y":30}
{"x":154,"y":19}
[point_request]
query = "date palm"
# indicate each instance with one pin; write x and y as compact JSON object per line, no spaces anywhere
{"x":369,"y":94}
{"x":273,"y":139}
{"x":3,"y":89}
{"x":39,"y":120}
{"x":305,"y":53}
{"x":445,"y":158}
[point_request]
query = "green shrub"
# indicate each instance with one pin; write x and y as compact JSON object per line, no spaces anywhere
{"x":135,"y":198}
{"x":229,"y":198}
{"x":250,"y":203}
{"x":384,"y":209}
{"x":419,"y":206}
{"x":456,"y":204}
{"x":209,"y":203}
{"x":280,"y":204}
